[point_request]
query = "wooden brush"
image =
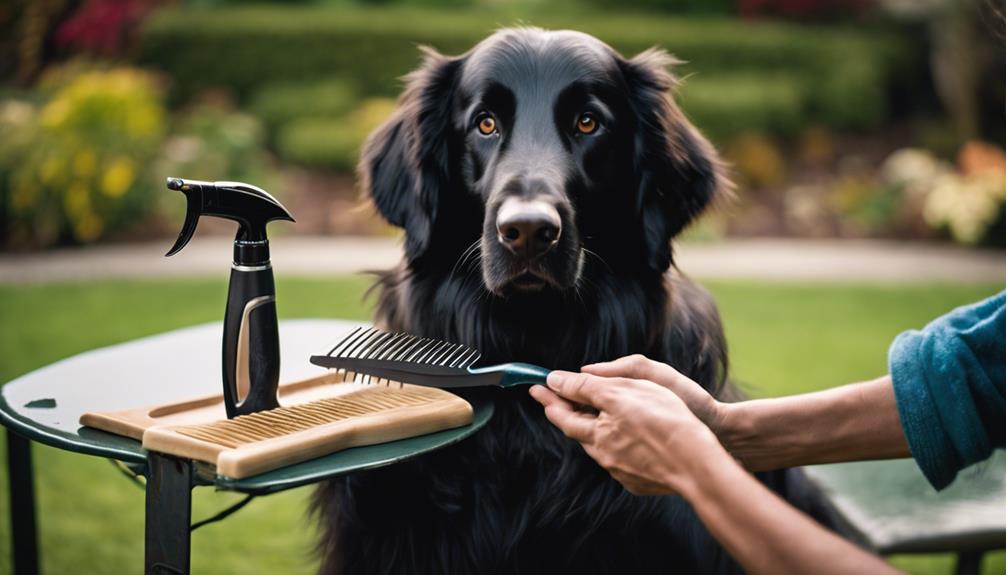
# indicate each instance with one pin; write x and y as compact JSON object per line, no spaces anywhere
{"x":317,"y":417}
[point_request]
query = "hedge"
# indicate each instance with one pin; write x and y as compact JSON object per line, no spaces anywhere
{"x":730,"y":104}
{"x":845,"y":74}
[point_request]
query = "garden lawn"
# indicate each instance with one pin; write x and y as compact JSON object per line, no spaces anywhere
{"x":784,"y":339}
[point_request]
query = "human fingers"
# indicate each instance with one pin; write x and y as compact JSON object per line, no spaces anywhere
{"x":583,"y":388}
{"x":573,"y":423}
{"x":543,"y":394}
{"x":636,"y":366}
{"x":698,"y":400}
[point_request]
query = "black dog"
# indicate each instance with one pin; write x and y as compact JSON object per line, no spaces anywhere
{"x":539,"y":179}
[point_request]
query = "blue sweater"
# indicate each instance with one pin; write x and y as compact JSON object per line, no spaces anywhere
{"x":950,"y":386}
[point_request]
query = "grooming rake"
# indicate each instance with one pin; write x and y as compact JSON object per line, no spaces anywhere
{"x":422,"y":361}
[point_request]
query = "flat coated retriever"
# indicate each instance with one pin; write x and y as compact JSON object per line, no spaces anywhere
{"x":539,"y":178}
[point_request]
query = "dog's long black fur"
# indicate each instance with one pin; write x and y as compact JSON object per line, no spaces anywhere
{"x":519,"y":497}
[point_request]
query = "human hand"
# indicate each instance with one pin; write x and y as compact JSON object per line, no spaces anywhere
{"x":642,"y":433}
{"x":698,"y":400}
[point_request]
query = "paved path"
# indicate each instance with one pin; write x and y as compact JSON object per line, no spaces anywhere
{"x":755,"y":259}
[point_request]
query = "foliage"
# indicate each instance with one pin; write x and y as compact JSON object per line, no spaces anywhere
{"x":726,"y":104}
{"x":784,"y":339}
{"x":331,"y":143}
{"x":718,"y":7}
{"x":279,"y":103}
{"x":71,"y":165}
{"x":843,"y":75}
{"x":756,"y":159}
{"x":210,"y":141}
{"x":804,"y":9}
{"x":102,"y":27}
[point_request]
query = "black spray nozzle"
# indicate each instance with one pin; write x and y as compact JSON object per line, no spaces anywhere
{"x":250,"y":206}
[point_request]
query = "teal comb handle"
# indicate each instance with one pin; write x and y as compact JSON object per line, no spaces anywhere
{"x":514,"y":373}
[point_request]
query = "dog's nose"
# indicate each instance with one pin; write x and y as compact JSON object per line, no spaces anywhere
{"x":528,"y":228}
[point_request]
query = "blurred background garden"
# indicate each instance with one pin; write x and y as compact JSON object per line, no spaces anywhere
{"x":843,"y":120}
{"x":865,"y":118}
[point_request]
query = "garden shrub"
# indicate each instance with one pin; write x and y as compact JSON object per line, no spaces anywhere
{"x":211,"y":141}
{"x":72,"y":163}
{"x":331,"y":143}
{"x":276,"y":104}
{"x":845,"y":74}
{"x":729,"y":104}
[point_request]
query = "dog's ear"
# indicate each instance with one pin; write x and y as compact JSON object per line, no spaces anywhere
{"x":404,"y":164}
{"x":678,"y":171}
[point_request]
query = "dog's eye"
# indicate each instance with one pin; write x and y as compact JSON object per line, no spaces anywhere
{"x":586,"y":124}
{"x":487,"y":125}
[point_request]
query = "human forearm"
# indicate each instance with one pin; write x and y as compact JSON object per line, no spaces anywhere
{"x":852,"y":422}
{"x":761,"y":531}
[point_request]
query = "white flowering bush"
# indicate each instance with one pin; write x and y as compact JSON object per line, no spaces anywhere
{"x":967,"y":200}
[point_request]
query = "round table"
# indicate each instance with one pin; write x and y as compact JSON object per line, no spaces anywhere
{"x":46,"y":404}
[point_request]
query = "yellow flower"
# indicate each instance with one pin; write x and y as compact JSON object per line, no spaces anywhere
{"x":88,"y":227}
{"x":142,"y":121}
{"x":50,"y":170}
{"x":118,"y":177}
{"x":77,"y":200}
{"x":84,"y":162}
{"x":24,"y":195}
{"x":55,"y":113}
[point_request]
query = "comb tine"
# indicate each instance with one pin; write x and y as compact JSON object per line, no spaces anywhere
{"x":372,"y":343}
{"x":350,"y":349}
{"x":476,"y":356}
{"x":458,"y":360}
{"x":404,"y":341}
{"x":368,"y":343}
{"x":443,"y":351}
{"x":435,"y":352}
{"x":342,"y":341}
{"x":391,"y":345}
{"x":420,"y":351}
{"x":472,"y":357}
{"x":407,"y":349}
{"x":452,"y":357}
{"x":378,"y":344}
{"x":349,"y":338}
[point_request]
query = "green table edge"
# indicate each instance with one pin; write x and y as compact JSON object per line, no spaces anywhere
{"x":112,"y":446}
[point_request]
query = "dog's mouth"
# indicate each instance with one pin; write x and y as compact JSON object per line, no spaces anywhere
{"x":528,"y":281}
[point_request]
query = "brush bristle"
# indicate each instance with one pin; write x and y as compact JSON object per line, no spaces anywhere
{"x":283,"y":421}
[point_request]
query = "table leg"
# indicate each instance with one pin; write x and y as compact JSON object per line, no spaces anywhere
{"x":22,"y":505}
{"x":169,"y":513}
{"x":969,"y":563}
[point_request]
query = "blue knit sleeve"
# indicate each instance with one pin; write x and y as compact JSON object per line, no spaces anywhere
{"x":950,"y":385}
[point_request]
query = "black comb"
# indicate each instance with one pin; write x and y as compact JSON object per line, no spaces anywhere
{"x":422,"y":361}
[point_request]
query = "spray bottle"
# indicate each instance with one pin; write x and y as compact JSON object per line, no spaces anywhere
{"x":251,"y":333}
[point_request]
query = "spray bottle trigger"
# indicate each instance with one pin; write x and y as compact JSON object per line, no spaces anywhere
{"x":193,"y":209}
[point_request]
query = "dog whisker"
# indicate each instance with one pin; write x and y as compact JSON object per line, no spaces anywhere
{"x":590,"y":252}
{"x":463,"y":257}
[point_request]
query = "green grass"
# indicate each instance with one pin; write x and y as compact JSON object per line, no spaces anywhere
{"x":784,"y":339}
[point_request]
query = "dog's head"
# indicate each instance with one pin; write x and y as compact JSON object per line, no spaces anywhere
{"x":539,"y":150}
